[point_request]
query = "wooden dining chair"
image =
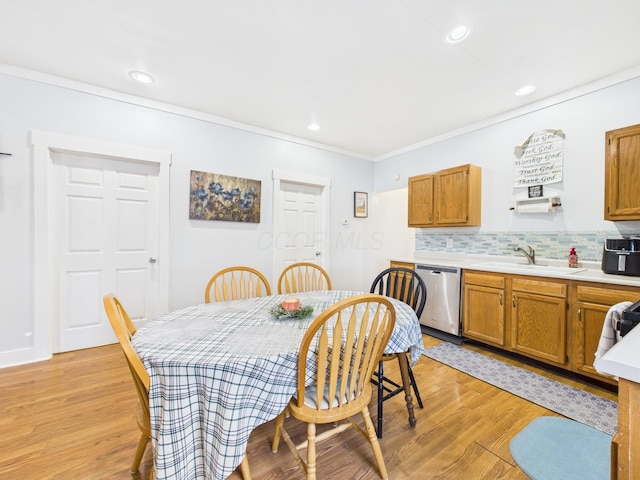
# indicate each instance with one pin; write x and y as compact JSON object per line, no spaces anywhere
{"x":303,"y":277}
{"x":406,"y":285}
{"x":124,"y":329}
{"x":235,"y":283}
{"x":339,"y":351}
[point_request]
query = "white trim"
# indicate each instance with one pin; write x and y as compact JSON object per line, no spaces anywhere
{"x":42,"y":144}
{"x":609,"y":81}
{"x":280,"y":176}
{"x":530,"y":108}
{"x":166,"y":107}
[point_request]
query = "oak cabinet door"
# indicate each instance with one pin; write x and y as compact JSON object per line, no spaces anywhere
{"x":622,"y":174}
{"x":539,"y":326}
{"x":421,"y":201}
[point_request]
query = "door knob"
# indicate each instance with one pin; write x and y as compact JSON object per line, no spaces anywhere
{"x":318,"y":254}
{"x":152,"y":260}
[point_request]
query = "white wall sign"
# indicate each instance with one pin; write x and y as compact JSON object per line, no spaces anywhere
{"x":539,"y":159}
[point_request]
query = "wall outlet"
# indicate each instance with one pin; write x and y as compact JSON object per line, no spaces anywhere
{"x":449,"y":242}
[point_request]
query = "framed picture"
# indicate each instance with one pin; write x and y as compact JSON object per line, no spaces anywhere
{"x":535,"y":191}
{"x":213,"y":196}
{"x":360,"y":204}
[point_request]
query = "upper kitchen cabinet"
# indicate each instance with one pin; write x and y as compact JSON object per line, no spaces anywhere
{"x":447,"y":198}
{"x":622,"y":174}
{"x":421,"y":201}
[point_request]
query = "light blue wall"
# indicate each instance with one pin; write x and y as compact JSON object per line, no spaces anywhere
{"x":578,"y":222}
{"x":197,"y":248}
{"x":359,"y":248}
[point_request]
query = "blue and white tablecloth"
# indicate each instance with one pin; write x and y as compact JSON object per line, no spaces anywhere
{"x":219,"y":370}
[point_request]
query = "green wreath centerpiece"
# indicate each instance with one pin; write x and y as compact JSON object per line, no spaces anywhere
{"x":301,"y":313}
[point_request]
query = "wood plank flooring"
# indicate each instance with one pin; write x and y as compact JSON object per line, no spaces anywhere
{"x":72,"y":417}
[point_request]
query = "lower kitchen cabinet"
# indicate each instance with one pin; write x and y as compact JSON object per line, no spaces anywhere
{"x":589,"y":308}
{"x":555,"y":321}
{"x":539,"y":319}
{"x":483,"y":312}
{"x":394,"y":264}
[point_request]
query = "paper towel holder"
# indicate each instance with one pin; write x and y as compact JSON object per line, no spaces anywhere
{"x":536,"y":205}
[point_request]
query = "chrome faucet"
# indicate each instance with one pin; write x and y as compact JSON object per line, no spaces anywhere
{"x":530,"y":254}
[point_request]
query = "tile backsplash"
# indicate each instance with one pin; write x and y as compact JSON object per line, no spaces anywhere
{"x":554,"y":245}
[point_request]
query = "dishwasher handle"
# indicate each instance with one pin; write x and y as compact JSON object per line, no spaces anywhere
{"x":435,"y":269}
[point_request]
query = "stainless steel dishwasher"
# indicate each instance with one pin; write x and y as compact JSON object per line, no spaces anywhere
{"x":441,"y":315}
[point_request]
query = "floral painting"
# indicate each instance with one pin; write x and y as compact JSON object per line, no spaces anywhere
{"x":220,"y":197}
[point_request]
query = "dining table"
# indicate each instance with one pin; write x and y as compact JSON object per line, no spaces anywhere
{"x":219,"y":370}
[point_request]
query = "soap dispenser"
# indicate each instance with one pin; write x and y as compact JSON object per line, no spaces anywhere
{"x":573,"y":258}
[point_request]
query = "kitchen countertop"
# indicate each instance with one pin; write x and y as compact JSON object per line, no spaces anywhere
{"x":588,"y":271}
{"x":622,"y":360}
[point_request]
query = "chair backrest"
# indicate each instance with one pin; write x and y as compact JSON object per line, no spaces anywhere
{"x":124,"y":330}
{"x":340,"y":351}
{"x":402,"y":284}
{"x":303,"y":277}
{"x":235,"y":283}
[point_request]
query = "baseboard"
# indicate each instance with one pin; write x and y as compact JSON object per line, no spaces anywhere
{"x":448,"y":337}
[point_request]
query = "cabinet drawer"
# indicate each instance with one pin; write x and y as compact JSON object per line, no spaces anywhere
{"x":394,"y":264}
{"x":552,"y":289}
{"x":484,"y":279}
{"x":605,"y":295}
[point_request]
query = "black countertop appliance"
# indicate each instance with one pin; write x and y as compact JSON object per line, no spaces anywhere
{"x":630,"y":318}
{"x":621,"y":256}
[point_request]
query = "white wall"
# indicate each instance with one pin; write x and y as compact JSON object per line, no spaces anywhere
{"x":584,"y":120}
{"x":197,"y":248}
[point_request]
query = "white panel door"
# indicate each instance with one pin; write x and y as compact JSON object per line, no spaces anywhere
{"x":301,"y":235}
{"x":106,"y":218}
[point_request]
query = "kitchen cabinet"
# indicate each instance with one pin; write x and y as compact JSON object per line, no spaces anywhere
{"x":450,"y":197}
{"x":539,"y":318}
{"x":558,"y":322}
{"x":394,"y":264}
{"x":421,"y":201}
{"x":483,"y":312}
{"x":622,"y":174}
{"x":625,"y":447}
{"x":589,"y":307}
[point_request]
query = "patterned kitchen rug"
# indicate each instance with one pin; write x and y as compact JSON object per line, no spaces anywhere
{"x":584,"y":407}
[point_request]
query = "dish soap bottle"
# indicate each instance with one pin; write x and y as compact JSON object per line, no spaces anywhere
{"x":573,"y":258}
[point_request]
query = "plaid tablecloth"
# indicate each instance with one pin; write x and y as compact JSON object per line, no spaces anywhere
{"x":219,"y":370}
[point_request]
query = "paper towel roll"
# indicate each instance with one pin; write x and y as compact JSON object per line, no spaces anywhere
{"x":533,"y":207}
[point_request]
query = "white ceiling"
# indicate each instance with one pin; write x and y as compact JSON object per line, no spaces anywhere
{"x":376,"y":75}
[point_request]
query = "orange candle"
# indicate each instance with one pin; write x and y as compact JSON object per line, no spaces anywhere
{"x":291,"y":303}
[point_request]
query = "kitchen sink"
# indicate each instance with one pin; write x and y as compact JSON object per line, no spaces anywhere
{"x":529,"y":268}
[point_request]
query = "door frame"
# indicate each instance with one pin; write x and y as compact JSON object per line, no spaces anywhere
{"x":45,"y":321}
{"x":280,"y":176}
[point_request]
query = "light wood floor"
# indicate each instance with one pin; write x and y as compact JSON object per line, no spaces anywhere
{"x":73,"y":418}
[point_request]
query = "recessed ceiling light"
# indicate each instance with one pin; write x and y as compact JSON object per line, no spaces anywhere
{"x":458,"y":34}
{"x":526,"y":90}
{"x":313,"y":126}
{"x":141,"y":77}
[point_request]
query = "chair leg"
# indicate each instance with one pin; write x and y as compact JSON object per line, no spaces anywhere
{"x":406,"y":382}
{"x":380,"y":398}
{"x":414,"y":385}
{"x":142,"y":445}
{"x":244,"y":469}
{"x":311,"y":451}
{"x":375,"y":445}
{"x":278,"y":431}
